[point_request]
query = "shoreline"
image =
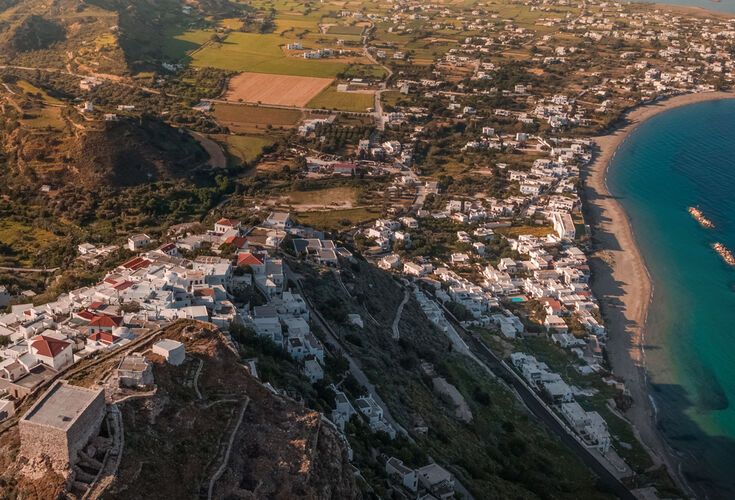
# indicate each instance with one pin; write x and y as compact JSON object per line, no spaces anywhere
{"x":620,"y":278}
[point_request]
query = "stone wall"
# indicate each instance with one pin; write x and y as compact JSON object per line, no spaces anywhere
{"x":39,"y":442}
{"x":86,"y":426}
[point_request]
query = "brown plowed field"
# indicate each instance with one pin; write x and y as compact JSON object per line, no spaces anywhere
{"x":282,"y":90}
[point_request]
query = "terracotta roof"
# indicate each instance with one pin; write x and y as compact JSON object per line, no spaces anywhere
{"x":228,"y":222}
{"x":137,"y":263}
{"x":236,"y":241}
{"x":248,"y":259}
{"x":104,"y":337}
{"x":106,"y":321}
{"x":48,"y":346}
{"x":123,"y":285}
{"x":86,"y":315}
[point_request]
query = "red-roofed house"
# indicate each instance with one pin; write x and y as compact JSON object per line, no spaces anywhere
{"x":97,"y":304}
{"x":104,"y":324}
{"x":106,"y":338}
{"x":224,"y":225}
{"x":52,"y":352}
{"x":169,"y":249}
{"x":552,"y":306}
{"x":237,"y":242}
{"x":136,"y":263}
{"x":85,"y":315}
{"x":248,"y":259}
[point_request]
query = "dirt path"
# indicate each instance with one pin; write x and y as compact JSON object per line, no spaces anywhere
{"x":217,"y":158}
{"x":397,"y":320}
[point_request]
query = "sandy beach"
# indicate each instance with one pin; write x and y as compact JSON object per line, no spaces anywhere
{"x":620,"y":278}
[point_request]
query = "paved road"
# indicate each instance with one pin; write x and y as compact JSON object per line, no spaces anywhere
{"x":29,"y":269}
{"x":217,"y":158}
{"x":333,"y":341}
{"x":544,"y":413}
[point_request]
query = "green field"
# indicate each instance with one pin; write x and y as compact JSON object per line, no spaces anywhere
{"x":343,"y":101}
{"x":345,"y":30}
{"x":246,"y":147}
{"x":24,"y":242}
{"x":337,"y":219}
{"x":178,"y":44}
{"x":260,"y":54}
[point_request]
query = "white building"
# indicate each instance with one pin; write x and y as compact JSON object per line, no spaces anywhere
{"x":171,"y":350}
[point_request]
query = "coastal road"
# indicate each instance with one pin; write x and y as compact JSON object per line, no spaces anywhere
{"x":542,"y":412}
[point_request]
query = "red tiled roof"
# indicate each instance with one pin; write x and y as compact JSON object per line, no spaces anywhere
{"x":48,"y":346}
{"x":106,"y":321}
{"x":228,"y":222}
{"x":96,"y":304}
{"x":104,"y":337}
{"x":167,"y":247}
{"x":137,"y":263}
{"x":86,"y":315}
{"x":248,"y":259}
{"x":122,"y":286}
{"x":236,"y":241}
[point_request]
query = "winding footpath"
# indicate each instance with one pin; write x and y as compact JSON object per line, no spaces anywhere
{"x":396,"y":332}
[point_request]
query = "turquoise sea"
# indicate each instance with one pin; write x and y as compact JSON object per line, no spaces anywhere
{"x":723,"y":6}
{"x":681,"y":158}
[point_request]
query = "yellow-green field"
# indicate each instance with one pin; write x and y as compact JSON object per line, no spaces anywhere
{"x":178,"y":43}
{"x":32,"y":90}
{"x":343,"y":101}
{"x":25,"y":241}
{"x":245,"y":147}
{"x":260,"y":54}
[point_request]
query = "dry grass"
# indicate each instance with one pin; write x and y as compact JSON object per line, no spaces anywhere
{"x":342,"y":197}
{"x":255,"y":119}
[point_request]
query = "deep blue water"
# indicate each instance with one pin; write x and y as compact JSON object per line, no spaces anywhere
{"x":686,"y":157}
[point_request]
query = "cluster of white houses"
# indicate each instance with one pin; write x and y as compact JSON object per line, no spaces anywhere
{"x":154,"y":288}
{"x":589,"y":425}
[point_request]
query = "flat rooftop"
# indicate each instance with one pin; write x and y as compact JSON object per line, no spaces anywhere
{"x":134,"y":363}
{"x":61,"y":405}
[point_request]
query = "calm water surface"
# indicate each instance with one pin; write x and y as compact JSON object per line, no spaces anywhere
{"x":686,"y":157}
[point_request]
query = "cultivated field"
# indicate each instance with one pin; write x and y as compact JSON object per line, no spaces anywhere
{"x":261,"y":54}
{"x":255,"y":119}
{"x":283,"y":90}
{"x":343,"y":101}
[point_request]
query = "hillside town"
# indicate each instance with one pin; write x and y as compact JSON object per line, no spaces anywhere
{"x":462,"y":186}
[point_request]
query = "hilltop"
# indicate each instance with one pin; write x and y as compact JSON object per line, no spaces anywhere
{"x":280,"y":449}
{"x":114,"y":154}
